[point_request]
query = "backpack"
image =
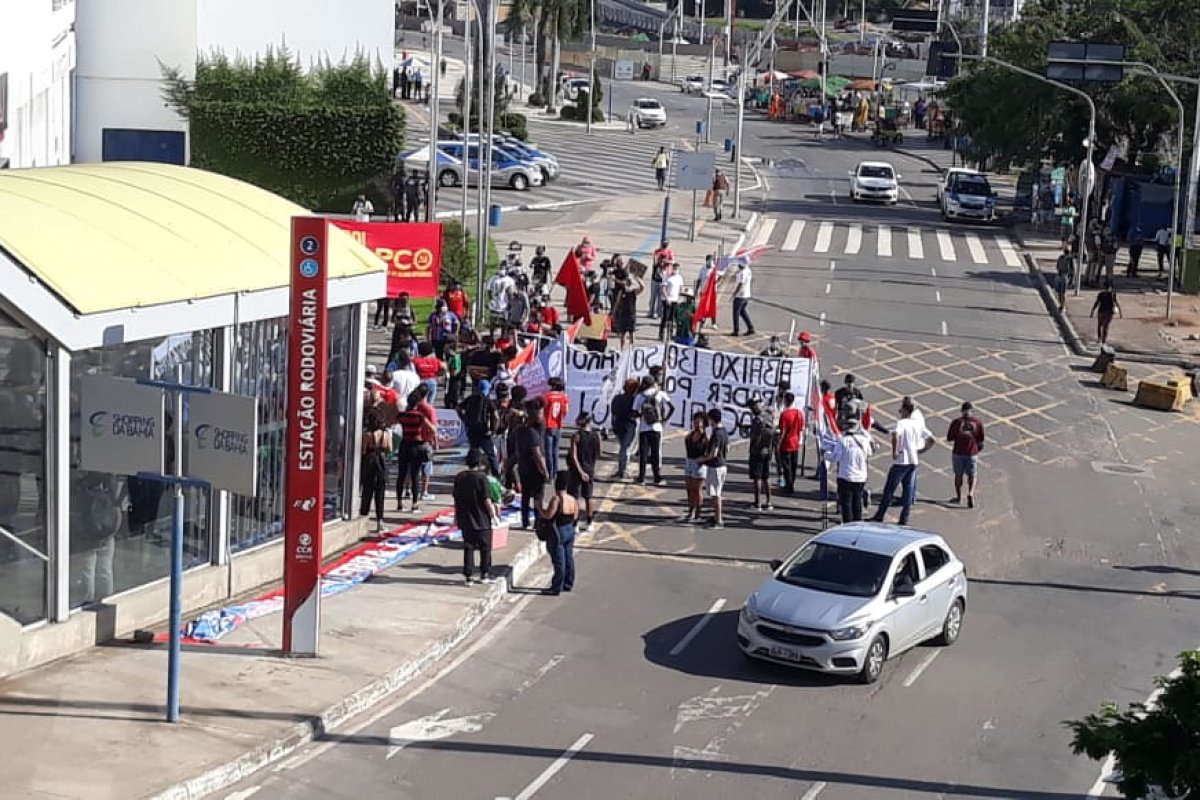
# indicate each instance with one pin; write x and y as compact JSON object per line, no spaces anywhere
{"x":652,"y":410}
{"x":477,"y":418}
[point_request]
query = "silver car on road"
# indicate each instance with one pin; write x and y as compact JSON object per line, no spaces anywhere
{"x":854,"y":596}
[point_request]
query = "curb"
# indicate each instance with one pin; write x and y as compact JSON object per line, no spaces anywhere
{"x":300,"y":734}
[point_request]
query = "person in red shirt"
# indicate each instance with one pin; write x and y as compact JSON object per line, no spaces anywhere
{"x":791,"y":428}
{"x":418,"y":441}
{"x":829,"y":406}
{"x":806,"y":348}
{"x":457,"y":300}
{"x":966,"y":435}
{"x":557,"y":406}
{"x":547,"y":312}
{"x":429,"y":368}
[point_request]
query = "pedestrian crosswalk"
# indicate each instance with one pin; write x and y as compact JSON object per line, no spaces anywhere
{"x":887,"y":241}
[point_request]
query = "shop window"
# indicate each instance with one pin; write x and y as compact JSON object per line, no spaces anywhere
{"x":23,"y":515}
{"x":121,"y":525}
{"x":260,"y":369}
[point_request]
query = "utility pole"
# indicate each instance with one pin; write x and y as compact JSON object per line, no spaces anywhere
{"x":737,"y":137}
{"x":983,"y":28}
{"x":1189,"y":222}
{"x":591,"y":103}
{"x":467,"y":91}
{"x":712,"y":57}
{"x":434,"y":114}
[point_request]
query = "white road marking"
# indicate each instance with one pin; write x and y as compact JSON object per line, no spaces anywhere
{"x":945,"y":245}
{"x":915,"y":248}
{"x":813,"y":791}
{"x":976,"y":248}
{"x":937,"y":293}
{"x":832,"y":265}
{"x":699,"y":626}
{"x":243,"y":794}
{"x":792,"y":240}
{"x":933,"y":271}
{"x":1110,"y":763}
{"x":854,"y":240}
{"x":945,"y":330}
{"x":885,"y":241}
{"x":763,"y":234}
{"x":833,"y":196}
{"x":711,"y":705}
{"x":824,"y":237}
{"x":822,"y":319}
{"x":552,"y":770}
{"x":432,"y":728}
{"x":1008,"y":251}
{"x":828,"y":288}
{"x":925,"y":662}
{"x":532,"y":680}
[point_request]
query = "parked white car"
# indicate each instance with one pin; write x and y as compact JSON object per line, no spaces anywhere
{"x":693,"y":84}
{"x":647,"y":112}
{"x":854,"y":596}
{"x":875,"y":180}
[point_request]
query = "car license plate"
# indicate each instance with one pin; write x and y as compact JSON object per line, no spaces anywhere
{"x":786,"y":653}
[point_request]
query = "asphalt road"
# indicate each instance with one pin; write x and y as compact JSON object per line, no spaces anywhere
{"x":1080,"y":555}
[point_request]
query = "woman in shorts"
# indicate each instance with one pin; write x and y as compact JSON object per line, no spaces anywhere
{"x":695,"y":446}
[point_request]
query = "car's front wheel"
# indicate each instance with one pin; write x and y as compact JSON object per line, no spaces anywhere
{"x":874,"y":660}
{"x":952,"y":625}
{"x":448,"y":178}
{"x":519,"y":182}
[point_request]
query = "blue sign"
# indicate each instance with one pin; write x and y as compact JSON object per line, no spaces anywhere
{"x":309,"y":245}
{"x":309,"y":268}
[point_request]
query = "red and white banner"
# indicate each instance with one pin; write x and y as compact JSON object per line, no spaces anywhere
{"x":304,"y":471}
{"x":412,"y":252}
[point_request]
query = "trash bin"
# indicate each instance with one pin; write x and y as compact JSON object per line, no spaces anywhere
{"x":1191,"y":273}
{"x":729,"y":145}
{"x":494,"y":216}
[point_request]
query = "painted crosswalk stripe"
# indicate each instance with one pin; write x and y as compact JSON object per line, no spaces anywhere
{"x":945,"y":245}
{"x":792,"y":240}
{"x":976,"y":248}
{"x":763,"y":235}
{"x":915,"y":247}
{"x":824,"y":237}
{"x":854,"y":240}
{"x":885,"y":241}
{"x":1006,"y":249}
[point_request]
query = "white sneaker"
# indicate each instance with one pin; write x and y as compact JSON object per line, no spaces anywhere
{"x":428,"y":498}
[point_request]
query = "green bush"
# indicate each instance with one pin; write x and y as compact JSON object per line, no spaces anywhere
{"x":459,"y":261}
{"x":516,"y":124}
{"x":315,"y":138}
{"x":567,"y":112}
{"x":536,"y":99}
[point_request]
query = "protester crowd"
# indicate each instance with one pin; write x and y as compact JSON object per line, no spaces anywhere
{"x":515,"y":442}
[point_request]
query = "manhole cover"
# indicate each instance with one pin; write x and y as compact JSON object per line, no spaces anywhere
{"x":1130,"y":470}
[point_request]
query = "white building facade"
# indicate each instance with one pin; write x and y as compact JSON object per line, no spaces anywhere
{"x":37,"y":60}
{"x":124,"y":45}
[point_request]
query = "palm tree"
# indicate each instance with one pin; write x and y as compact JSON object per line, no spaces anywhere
{"x":556,"y":20}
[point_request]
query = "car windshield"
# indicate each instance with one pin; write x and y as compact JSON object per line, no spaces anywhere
{"x":875,"y":172}
{"x":972,"y":186}
{"x":648,"y":104}
{"x":837,"y":570}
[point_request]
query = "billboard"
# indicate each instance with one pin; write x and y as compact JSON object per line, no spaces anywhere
{"x":304,"y":468}
{"x":412,"y":252}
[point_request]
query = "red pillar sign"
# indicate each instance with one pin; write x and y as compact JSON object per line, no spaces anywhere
{"x":304,"y":481}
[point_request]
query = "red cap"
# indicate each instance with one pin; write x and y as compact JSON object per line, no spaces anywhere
{"x":805,"y":336}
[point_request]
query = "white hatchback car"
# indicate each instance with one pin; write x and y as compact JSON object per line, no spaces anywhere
{"x":854,"y":596}
{"x":875,"y":180}
{"x":648,"y":113}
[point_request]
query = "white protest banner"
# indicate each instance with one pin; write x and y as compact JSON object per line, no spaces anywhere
{"x":594,"y":378}
{"x":698,"y":380}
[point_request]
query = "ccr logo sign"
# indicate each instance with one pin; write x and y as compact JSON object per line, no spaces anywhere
{"x":403,"y":259}
{"x":99,"y":423}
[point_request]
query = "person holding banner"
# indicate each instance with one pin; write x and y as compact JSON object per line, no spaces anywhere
{"x":557,"y":406}
{"x":530,"y":458}
{"x":791,"y":428}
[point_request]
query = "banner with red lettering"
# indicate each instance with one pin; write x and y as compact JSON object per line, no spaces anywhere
{"x":412,"y":252}
{"x":304,"y":469}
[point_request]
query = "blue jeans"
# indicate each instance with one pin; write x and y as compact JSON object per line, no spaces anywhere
{"x":550,"y":444}
{"x":741,"y":313}
{"x":487,"y":445}
{"x":904,"y":477}
{"x":625,"y":441}
{"x":562,"y":557}
{"x":432,"y":385}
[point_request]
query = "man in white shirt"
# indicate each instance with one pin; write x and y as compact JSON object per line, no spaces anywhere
{"x":404,"y":380}
{"x":1162,"y":243}
{"x":741,"y":300}
{"x":672,"y":293}
{"x":910,"y":438}
{"x":499,"y":290}
{"x":850,"y":451}
{"x":651,"y":407}
{"x":363,"y":209}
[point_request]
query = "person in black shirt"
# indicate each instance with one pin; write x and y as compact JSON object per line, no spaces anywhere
{"x":715,"y":466}
{"x":695,"y":446}
{"x":1106,"y":303}
{"x":585,"y":452}
{"x":473,"y":514}
{"x":624,"y":425}
{"x":531,"y":460}
{"x":481,"y":418}
{"x":540,"y":264}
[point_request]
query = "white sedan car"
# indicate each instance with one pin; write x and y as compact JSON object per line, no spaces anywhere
{"x":854,"y":596}
{"x":875,"y":180}
{"x":693,"y":84}
{"x":647,"y":112}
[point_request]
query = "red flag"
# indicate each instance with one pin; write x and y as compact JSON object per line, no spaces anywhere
{"x":570,"y":276}
{"x":523,"y":357}
{"x":706,"y":306}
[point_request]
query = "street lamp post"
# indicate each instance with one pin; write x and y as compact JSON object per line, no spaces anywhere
{"x":467,"y":91}
{"x":487,"y":102}
{"x":434,"y":114}
{"x":591,"y":69}
{"x":737,"y":137}
{"x":712,"y":58}
{"x":1189,"y":223}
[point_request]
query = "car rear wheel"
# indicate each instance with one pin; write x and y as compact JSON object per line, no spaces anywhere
{"x":874,"y":660}
{"x":952,"y":625}
{"x":519,"y":182}
{"x":448,"y":178}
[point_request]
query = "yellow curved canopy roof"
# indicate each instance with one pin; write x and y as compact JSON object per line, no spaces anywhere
{"x":130,"y":234}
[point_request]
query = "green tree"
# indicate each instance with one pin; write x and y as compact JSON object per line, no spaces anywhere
{"x":557,"y":21}
{"x":1157,"y":746}
{"x":317,"y":138}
